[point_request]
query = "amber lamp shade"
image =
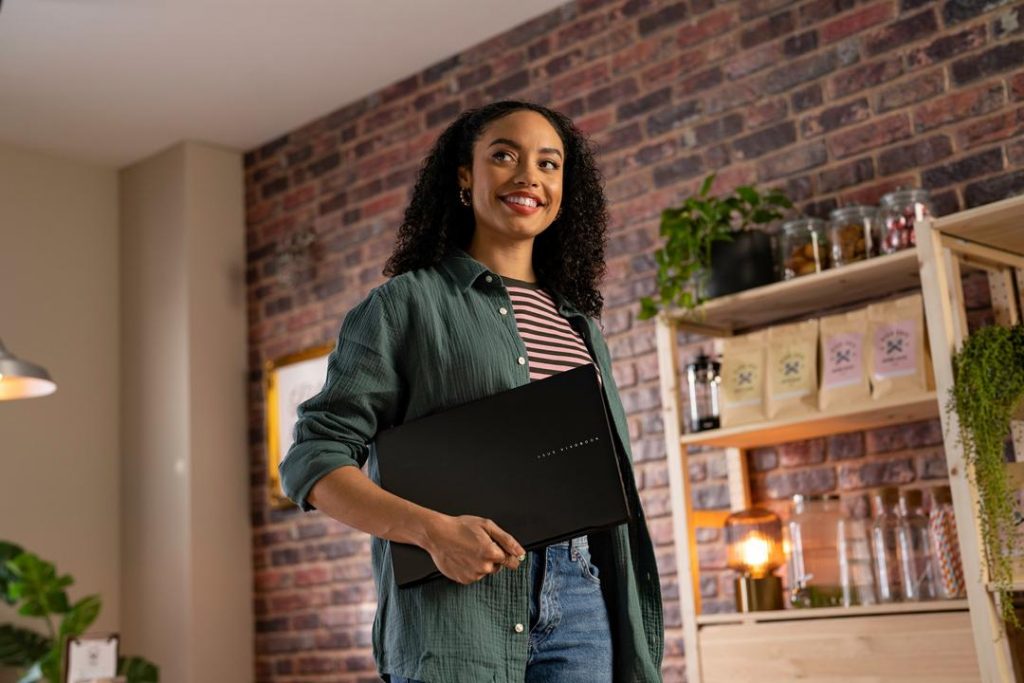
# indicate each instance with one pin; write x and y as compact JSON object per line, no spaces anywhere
{"x":754,"y":550}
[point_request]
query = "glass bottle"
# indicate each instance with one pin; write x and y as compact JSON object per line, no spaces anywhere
{"x":804,"y":247}
{"x":856,"y":572}
{"x":885,"y":534}
{"x":900,"y":211}
{"x":949,"y":572}
{"x":703,"y":379}
{"x":813,"y":525}
{"x":854,"y":234}
{"x":915,"y":549}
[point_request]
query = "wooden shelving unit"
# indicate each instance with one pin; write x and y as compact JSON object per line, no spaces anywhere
{"x":990,"y":244}
{"x":989,"y":237}
{"x":882,"y":414}
{"x":833,"y":612}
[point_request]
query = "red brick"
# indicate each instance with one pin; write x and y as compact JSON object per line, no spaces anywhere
{"x":911,"y":90}
{"x":1017,"y":86}
{"x":983,"y":163}
{"x":662,"y":18}
{"x":855,"y":22}
{"x":580,"y":81}
{"x":870,"y":194}
{"x":767,"y":29}
{"x":866,"y":76}
{"x":792,"y":161}
{"x":767,"y":112}
{"x":845,"y":175}
{"x":921,"y":152}
{"x":834,"y":117}
{"x":900,"y":33}
{"x":712,"y":25}
{"x":996,"y":60}
{"x":870,"y":135}
{"x":959,"y":106}
{"x":1004,"y":125}
{"x":749,"y":61}
{"x":947,"y":47}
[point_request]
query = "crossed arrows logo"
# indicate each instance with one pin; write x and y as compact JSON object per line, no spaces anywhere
{"x":893,"y":346}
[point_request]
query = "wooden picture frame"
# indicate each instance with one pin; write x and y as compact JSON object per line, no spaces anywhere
{"x":288,"y":381}
{"x":91,"y":656}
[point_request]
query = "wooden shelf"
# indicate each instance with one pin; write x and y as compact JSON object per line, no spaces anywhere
{"x":870,"y":279}
{"x":876,"y":414}
{"x":997,"y":225}
{"x":1016,"y":587}
{"x":833,"y":612}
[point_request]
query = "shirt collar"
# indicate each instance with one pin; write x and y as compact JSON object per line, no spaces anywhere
{"x":466,"y":270}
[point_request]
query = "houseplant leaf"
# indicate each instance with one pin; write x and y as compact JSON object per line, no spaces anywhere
{"x":20,"y":647}
{"x":37,"y":585}
{"x":137,"y":670}
{"x":8,"y":551}
{"x":80,"y":616}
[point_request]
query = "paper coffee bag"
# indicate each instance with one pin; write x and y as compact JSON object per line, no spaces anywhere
{"x":743,"y":379}
{"x":899,"y":362}
{"x":793,"y":369}
{"x":844,"y":373}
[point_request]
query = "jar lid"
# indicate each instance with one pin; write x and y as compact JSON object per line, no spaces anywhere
{"x":803,"y":223}
{"x":902,"y":197}
{"x":854,"y":211}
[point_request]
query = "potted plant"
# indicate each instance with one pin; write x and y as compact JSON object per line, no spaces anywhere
{"x":987,"y":392}
{"x":33,"y":586}
{"x":709,"y":249}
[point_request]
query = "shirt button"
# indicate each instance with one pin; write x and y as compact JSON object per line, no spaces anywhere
{"x":503,"y":310}
{"x":489,"y":278}
{"x":522,"y":361}
{"x":519,"y":628}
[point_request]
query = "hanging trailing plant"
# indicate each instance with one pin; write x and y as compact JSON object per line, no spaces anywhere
{"x":988,"y":390}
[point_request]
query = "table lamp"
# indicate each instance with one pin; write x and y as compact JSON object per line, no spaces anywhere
{"x":754,"y":550}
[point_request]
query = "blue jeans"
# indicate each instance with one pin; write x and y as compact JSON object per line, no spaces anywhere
{"x":570,"y":638}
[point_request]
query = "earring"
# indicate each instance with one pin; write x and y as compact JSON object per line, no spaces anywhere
{"x":466,"y":196}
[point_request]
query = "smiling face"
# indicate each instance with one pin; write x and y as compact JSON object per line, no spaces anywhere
{"x":516,"y":177}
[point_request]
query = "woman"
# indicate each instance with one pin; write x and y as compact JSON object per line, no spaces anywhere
{"x":493,"y":284}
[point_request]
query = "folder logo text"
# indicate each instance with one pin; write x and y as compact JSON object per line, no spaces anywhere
{"x":567,"y":447}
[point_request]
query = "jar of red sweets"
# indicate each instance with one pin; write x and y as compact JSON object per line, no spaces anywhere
{"x":900,"y":211}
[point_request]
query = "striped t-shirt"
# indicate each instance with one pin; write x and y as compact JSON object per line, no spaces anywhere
{"x":552,"y":345}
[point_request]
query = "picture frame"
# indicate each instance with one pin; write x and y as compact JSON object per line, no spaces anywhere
{"x":288,"y":381}
{"x":92,"y":656}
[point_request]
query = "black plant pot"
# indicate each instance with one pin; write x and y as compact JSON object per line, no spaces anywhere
{"x":745,"y":262}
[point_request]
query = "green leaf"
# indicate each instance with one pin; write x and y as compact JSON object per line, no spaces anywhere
{"x":20,"y":647}
{"x":137,"y":670}
{"x":749,"y":195}
{"x":648,"y":309}
{"x":80,"y":616}
{"x":36,"y":583}
{"x":764,"y":216}
{"x":50,"y":663}
{"x":8,"y":551}
{"x":706,"y":185}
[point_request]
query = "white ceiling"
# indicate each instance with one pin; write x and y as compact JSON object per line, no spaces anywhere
{"x":113,"y":81}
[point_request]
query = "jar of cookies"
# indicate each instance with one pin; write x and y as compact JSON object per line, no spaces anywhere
{"x":804,"y":247}
{"x":900,"y":211}
{"x":853,"y":232}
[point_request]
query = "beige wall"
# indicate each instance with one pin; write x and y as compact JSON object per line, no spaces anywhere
{"x":187,"y":556}
{"x":129,"y":287}
{"x":59,"y":455}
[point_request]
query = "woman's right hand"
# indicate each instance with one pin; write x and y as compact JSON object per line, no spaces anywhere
{"x":467,"y":548}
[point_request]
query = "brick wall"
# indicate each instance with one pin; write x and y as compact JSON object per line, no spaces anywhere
{"x":833,"y":100}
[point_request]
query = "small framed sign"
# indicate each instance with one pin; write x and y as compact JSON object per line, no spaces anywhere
{"x":90,"y":657}
{"x":289,"y":381}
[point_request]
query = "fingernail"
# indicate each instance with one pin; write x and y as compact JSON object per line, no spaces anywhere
{"x":522,"y":558}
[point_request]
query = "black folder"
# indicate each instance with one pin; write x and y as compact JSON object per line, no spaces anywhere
{"x":539,"y":460}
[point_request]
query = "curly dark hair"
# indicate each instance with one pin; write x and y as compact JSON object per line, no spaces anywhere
{"x":567,"y":257}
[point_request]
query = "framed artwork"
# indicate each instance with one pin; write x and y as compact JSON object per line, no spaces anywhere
{"x":90,"y":657}
{"x":288,"y":382}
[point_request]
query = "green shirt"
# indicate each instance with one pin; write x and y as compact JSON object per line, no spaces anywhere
{"x":424,"y":341}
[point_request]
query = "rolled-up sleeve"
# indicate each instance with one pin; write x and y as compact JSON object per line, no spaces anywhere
{"x":362,"y":393}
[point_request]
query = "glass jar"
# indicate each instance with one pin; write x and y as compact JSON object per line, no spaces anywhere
{"x":915,"y":549}
{"x":853,"y":232}
{"x":949,"y":572}
{"x":703,"y":379}
{"x":804,"y":247}
{"x":885,"y":541}
{"x":813,"y":525}
{"x":900,"y":211}
{"x":856,"y":571}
